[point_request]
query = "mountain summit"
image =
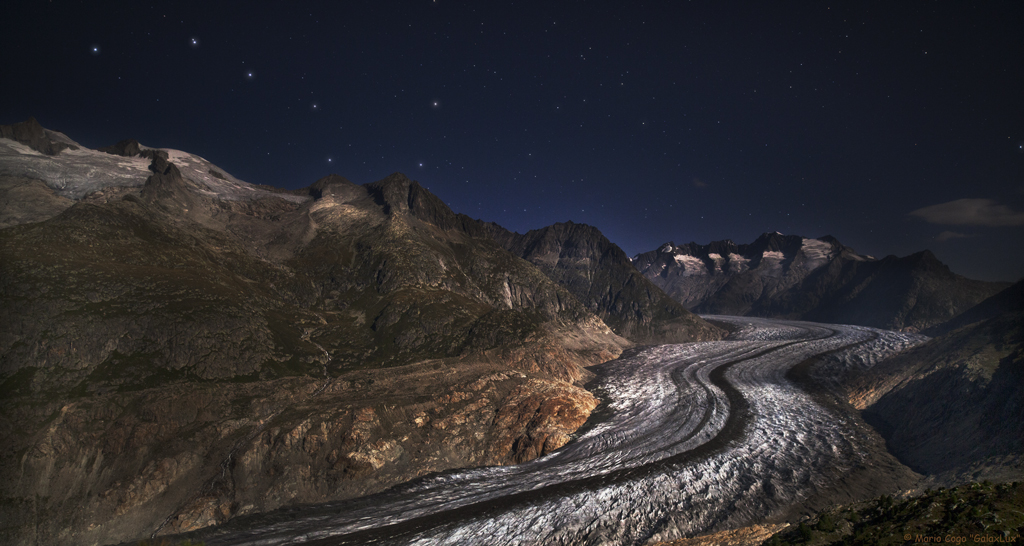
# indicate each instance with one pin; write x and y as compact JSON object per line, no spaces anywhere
{"x":602,"y":277}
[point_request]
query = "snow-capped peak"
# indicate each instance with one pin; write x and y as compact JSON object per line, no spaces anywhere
{"x":79,"y":171}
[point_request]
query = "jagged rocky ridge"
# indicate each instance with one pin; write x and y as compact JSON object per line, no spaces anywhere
{"x":789,"y":276}
{"x":181,"y":347}
{"x":601,"y":276}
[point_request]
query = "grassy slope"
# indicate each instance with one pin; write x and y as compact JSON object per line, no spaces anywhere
{"x":970,"y":514}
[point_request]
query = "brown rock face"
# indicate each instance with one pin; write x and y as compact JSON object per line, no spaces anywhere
{"x":179,"y":458}
{"x":537,"y":418}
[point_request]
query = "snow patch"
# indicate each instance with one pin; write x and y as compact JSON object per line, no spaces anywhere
{"x":72,"y":173}
{"x":737,"y":263}
{"x":692,"y":265}
{"x":61,"y":137}
{"x":225,"y":186}
{"x":77,"y":173}
{"x":771,"y":263}
{"x":816,"y":253}
{"x":666,"y":248}
{"x":718,"y":261}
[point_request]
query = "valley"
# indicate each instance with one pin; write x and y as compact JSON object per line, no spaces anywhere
{"x":692,"y":438}
{"x":189,"y":357}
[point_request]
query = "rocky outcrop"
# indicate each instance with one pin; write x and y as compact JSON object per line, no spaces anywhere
{"x":126,"y":148}
{"x":601,"y":276}
{"x":176,"y":458}
{"x":31,"y":134}
{"x":396,"y":193}
{"x":788,"y":276}
{"x":538,"y":418}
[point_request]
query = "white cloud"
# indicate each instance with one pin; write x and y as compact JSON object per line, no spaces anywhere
{"x":970,"y":212}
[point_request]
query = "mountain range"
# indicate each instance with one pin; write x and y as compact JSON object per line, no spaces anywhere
{"x":601,"y":276}
{"x":822,"y":280}
{"x":180,"y":347}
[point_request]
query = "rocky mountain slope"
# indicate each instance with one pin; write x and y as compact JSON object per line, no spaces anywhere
{"x":601,"y":276}
{"x":954,"y":407}
{"x":789,"y":276}
{"x":1006,"y":301}
{"x":181,"y":347}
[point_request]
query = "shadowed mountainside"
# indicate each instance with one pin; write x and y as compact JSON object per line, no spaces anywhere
{"x":1009,"y":300}
{"x":601,"y":276}
{"x":954,"y":407}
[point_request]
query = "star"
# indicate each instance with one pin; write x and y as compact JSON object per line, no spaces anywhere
{"x":193,"y":42}
{"x":95,"y":49}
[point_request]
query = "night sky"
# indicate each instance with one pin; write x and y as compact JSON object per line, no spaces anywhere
{"x":894,"y":126}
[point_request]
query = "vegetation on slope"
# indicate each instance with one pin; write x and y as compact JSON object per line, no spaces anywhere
{"x":978,"y":513}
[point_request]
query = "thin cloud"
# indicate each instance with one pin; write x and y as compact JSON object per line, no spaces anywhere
{"x":970,"y":212}
{"x":950,"y":235}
